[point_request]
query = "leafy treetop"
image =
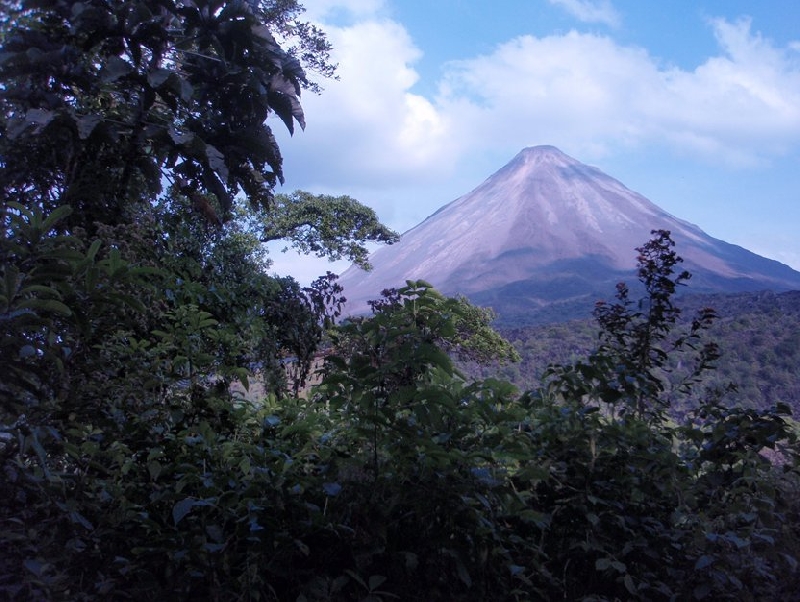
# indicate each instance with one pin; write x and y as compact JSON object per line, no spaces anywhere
{"x":326,"y":226}
{"x":142,"y":90}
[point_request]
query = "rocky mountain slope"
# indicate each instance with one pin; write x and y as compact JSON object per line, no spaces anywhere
{"x":547,"y":235}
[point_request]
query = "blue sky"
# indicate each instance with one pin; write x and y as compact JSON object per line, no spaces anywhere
{"x":695,"y":104}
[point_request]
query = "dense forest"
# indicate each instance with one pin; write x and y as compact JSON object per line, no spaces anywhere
{"x":758,"y":335}
{"x":138,"y":176}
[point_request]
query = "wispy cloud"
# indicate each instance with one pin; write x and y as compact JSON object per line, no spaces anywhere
{"x":327,"y":9}
{"x":591,"y":11}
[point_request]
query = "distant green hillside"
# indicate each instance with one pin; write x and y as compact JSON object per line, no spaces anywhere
{"x":758,"y":335}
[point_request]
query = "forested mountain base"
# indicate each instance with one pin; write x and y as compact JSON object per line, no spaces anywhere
{"x":758,"y":336}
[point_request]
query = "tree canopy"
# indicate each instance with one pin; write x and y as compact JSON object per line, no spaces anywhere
{"x":326,"y":226}
{"x":137,"y":173}
{"x":144,"y":91}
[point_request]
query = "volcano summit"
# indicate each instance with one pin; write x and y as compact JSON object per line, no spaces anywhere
{"x":547,"y":232}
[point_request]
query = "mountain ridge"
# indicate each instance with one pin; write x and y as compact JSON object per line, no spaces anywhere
{"x":547,"y":229}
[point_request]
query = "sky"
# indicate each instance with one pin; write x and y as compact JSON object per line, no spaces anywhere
{"x":693,"y":103}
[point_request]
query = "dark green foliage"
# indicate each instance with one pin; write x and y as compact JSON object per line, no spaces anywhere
{"x":754,"y":333}
{"x":636,"y":339}
{"x":141,"y":90}
{"x":468,"y":336}
{"x":56,"y":290}
{"x":396,"y":480}
{"x":131,"y":470}
{"x":326,"y":226}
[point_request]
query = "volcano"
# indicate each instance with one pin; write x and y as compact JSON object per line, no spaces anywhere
{"x":547,"y":235}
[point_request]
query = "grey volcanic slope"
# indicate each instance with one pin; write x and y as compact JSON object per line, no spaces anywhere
{"x":547,"y":229}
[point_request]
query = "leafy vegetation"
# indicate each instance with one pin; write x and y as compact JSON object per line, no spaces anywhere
{"x":131,"y":469}
{"x":755,"y":334}
{"x":326,"y":226}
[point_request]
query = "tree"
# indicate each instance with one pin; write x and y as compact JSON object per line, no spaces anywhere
{"x":143,"y":90}
{"x":325,"y":225}
{"x":637,"y":338}
{"x":125,"y":311}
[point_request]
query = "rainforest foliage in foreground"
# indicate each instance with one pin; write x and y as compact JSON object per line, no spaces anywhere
{"x":130,"y":469}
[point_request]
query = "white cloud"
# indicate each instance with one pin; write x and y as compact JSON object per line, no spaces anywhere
{"x":369,"y":121}
{"x":572,"y":89}
{"x":746,"y":101}
{"x":586,"y":91}
{"x":589,"y":11}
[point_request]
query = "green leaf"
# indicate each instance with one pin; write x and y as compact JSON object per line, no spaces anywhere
{"x":77,"y":518}
{"x":603,"y":564}
{"x":332,"y":489}
{"x":180,"y":138}
{"x":39,"y":117}
{"x":216,"y":533}
{"x":93,"y":249}
{"x":40,"y":289}
{"x":207,"y":322}
{"x":157,"y":77}
{"x":154,"y":468}
{"x":114,"y":68}
{"x":46,"y":305}
{"x":284,"y":101}
{"x":791,"y":560}
{"x":27,"y":351}
{"x":703,"y":562}
{"x":58,"y":214}
{"x":463,"y":574}
{"x":216,"y":160}
{"x":35,"y":566}
{"x":182,"y":508}
{"x":630,"y":585}
{"x":86,"y":125}
{"x":186,"y":89}
{"x":11,"y":282}
{"x":357,"y":577}
{"x":701,"y":591}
